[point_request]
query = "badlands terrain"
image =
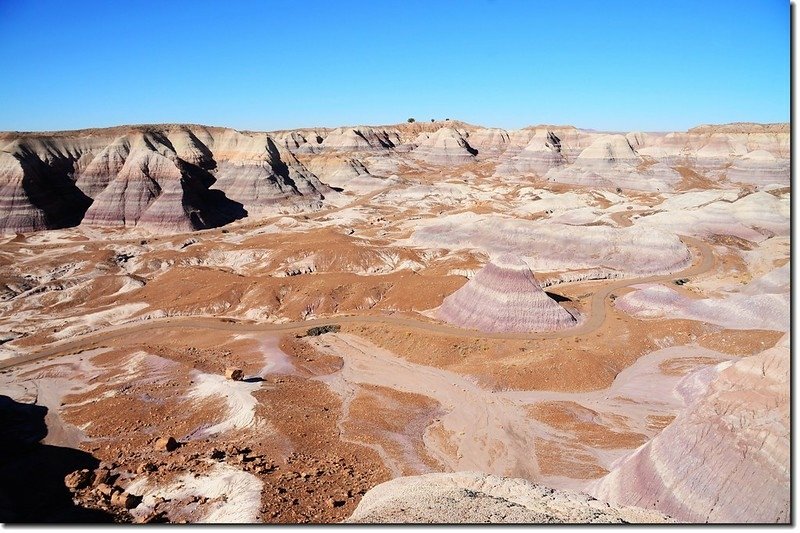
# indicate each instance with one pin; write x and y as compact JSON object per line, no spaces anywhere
{"x":421,"y":322}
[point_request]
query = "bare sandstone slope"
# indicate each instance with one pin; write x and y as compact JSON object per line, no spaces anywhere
{"x":726,"y":457}
{"x":610,"y":162}
{"x":447,"y":146}
{"x":174,"y":177}
{"x":474,"y":498}
{"x":36,"y":191}
{"x":169,"y":177}
{"x":504,"y":296}
{"x":711,"y":149}
{"x":541,"y":154}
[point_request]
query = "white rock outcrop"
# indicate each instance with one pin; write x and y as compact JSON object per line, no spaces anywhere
{"x":475,"y":498}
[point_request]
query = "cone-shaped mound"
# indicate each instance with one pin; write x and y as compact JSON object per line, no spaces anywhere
{"x":504,"y":297}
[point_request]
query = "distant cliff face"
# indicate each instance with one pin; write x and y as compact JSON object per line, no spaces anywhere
{"x":172,"y":178}
{"x":187,"y":177}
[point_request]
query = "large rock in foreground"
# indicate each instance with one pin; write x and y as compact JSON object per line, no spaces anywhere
{"x":474,"y":498}
{"x":504,"y":297}
{"x":726,"y":457}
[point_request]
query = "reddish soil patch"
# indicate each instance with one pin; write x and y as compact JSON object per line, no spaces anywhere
{"x":572,"y":364}
{"x":395,"y":421}
{"x":308,"y":473}
{"x":587,"y":425}
{"x":324,"y":477}
{"x":556,"y":458}
{"x":680,"y":366}
{"x":740,"y":342}
{"x":659,"y":422}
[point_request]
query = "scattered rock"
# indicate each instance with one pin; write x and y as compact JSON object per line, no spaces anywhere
{"x":234,"y":374}
{"x":79,"y":479}
{"x":125,"y":500}
{"x":320,"y":330}
{"x":101,"y":476}
{"x":105,"y":490}
{"x":153,"y":518}
{"x":217,"y":454}
{"x":264,"y":469}
{"x":146,"y":467}
{"x":166,"y":444}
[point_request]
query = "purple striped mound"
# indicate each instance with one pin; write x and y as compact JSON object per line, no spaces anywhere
{"x":504,"y":297}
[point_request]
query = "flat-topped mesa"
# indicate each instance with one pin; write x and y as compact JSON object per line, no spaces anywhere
{"x":742,"y":127}
{"x":504,"y":297}
{"x":711,"y":149}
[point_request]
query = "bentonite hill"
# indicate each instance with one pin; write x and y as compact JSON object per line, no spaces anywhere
{"x":425,"y":322}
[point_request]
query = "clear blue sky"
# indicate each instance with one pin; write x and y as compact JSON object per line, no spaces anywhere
{"x":603,"y":64}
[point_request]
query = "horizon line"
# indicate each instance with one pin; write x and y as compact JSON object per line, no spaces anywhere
{"x":397,"y":124}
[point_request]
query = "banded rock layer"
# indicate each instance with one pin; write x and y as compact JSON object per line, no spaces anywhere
{"x":346,"y":174}
{"x":759,"y":167}
{"x":726,"y":457}
{"x":541,"y":154}
{"x":504,"y":297}
{"x":173,"y":178}
{"x":446,"y":146}
{"x":184,"y":177}
{"x":610,"y":162}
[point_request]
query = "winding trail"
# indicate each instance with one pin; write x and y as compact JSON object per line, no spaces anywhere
{"x":597,"y":315}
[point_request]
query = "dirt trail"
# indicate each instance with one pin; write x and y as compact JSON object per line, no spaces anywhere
{"x":595,"y":319}
{"x":623,"y":218}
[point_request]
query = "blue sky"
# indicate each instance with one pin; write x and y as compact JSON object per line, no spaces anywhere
{"x":603,"y":64}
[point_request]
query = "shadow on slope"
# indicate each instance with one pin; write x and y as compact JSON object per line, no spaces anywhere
{"x":32,"y":474}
